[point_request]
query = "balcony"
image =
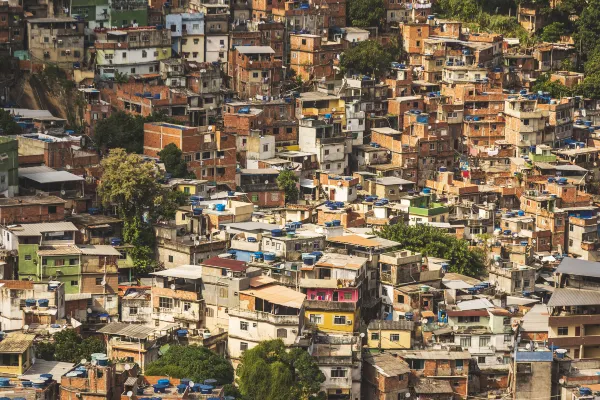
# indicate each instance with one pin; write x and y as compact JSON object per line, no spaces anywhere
{"x":574,"y":319}
{"x":96,"y":268}
{"x":292,"y":320}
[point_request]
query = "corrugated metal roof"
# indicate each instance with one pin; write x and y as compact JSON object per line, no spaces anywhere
{"x":38,"y":229}
{"x":46,"y":251}
{"x":309,"y":283}
{"x":343,"y":261}
{"x":401,"y":325}
{"x":16,"y":343}
{"x":228,"y":263}
{"x":387,"y":364}
{"x":574,"y":297}
{"x":128,"y":330}
{"x":434,"y":355}
{"x":99,"y":250}
{"x":433,"y":386}
{"x":255,"y":50}
{"x":277,"y":294}
{"x":47,"y":175}
{"x":474,"y":304}
{"x":77,"y":296}
{"x":576,"y":266}
{"x":182,"y":271}
{"x":533,"y":356}
{"x":536,"y":319}
{"x":55,"y":368}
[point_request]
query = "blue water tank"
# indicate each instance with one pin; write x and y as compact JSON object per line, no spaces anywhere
{"x":426,"y":191}
{"x":30,"y":302}
{"x":336,"y":222}
{"x":409,"y":316}
{"x":269,"y":256}
{"x":276,"y":232}
{"x":115,"y":241}
{"x":197,"y":211}
{"x":443,"y":169}
{"x":258,"y":255}
{"x":163,"y":382}
{"x":328,"y":224}
{"x":309,"y":260}
{"x":521,"y":213}
{"x":587,"y":123}
{"x":182,"y":332}
{"x":220,"y":207}
{"x":43,"y":302}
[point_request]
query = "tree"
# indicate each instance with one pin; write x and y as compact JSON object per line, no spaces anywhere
{"x":269,"y":372}
{"x":8,"y":125}
{"x":588,"y":27}
{"x":287,"y":181}
{"x":172,"y":157}
{"x":131,"y":184}
{"x":122,"y":130}
{"x":193,"y":362}
{"x":434,"y":242}
{"x":366,"y":13}
{"x":68,"y":346}
{"x":367,"y":58}
{"x":555,"y":88}
{"x":553,"y":32}
{"x":121,"y":77}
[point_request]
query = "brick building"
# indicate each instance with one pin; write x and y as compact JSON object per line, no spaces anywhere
{"x":209,"y":154}
{"x":312,"y":56}
{"x":254,"y":71}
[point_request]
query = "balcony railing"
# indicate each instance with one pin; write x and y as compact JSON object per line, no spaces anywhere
{"x":265,"y":317}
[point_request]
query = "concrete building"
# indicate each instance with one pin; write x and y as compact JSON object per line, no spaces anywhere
{"x":56,"y":40}
{"x":325,"y":139}
{"x":254,"y":72}
{"x":187,"y":35}
{"x":9,"y":176}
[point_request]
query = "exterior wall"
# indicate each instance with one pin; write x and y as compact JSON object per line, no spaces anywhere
{"x":381,"y":339}
{"x":56,"y":42}
{"x":328,"y":320}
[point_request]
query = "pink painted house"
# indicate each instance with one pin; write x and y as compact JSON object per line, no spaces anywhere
{"x":333,"y":294}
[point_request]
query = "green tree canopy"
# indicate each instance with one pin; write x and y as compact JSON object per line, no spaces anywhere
{"x":270,"y":372}
{"x":555,"y":88}
{"x":587,"y":34}
{"x":131,"y":184}
{"x":193,"y":362}
{"x":366,"y":13}
{"x":287,"y":181}
{"x":553,"y":32}
{"x":8,"y":126}
{"x":367,"y":58}
{"x":434,"y":242}
{"x":123,"y":130}
{"x":172,"y":156}
{"x":68,"y":346}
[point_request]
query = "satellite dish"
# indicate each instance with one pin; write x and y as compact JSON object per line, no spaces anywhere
{"x":103,"y":283}
{"x":561,"y":381}
{"x":191,"y":383}
{"x":266,"y":182}
{"x":129,"y":394}
{"x":62,"y":192}
{"x":455,"y":328}
{"x":534,"y":241}
{"x":407,"y":395}
{"x":362,"y":335}
{"x":89,"y":310}
{"x":528,"y":346}
{"x":119,"y":44}
{"x":173,"y":286}
{"x":83,"y":361}
{"x":127,"y":368}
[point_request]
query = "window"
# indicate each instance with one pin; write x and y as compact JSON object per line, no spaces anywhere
{"x":99,"y":281}
{"x":416,"y":364}
{"x":73,"y":261}
{"x":418,"y":43}
{"x":196,"y":41}
{"x":431,"y":146}
{"x":187,"y":306}
{"x":384,"y":291}
{"x":563,"y":330}
{"x":465,"y":341}
{"x":394,"y":337}
{"x":51,"y":209}
{"x":254,"y":197}
{"x":339,"y":320}
{"x":144,"y":54}
{"x":507,"y":338}
{"x":460,"y":363}
{"x":347,"y":296}
{"x":525,"y":122}
{"x":265,"y":147}
{"x":243,"y":326}
{"x":133,"y":310}
{"x":165,"y":302}
{"x":27,"y":257}
{"x":400,"y":298}
{"x":484,"y":341}
{"x":255,"y":74}
{"x":170,"y":259}
{"x":282,"y":333}
{"x":243,"y":346}
{"x":316,"y":319}
{"x":74,"y":283}
{"x":338,"y":372}
{"x":525,"y":283}
{"x":133,"y":70}
{"x":59,"y":262}
{"x":223,"y":293}
{"x":374,"y":336}
{"x":481,"y":360}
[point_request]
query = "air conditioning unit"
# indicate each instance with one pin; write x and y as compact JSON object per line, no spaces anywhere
{"x":349,"y":322}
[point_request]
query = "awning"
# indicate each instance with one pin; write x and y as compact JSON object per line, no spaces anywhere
{"x":307,"y":183}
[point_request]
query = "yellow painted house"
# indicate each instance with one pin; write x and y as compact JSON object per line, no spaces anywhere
{"x":16,"y":354}
{"x":382,"y":334}
{"x":318,"y":104}
{"x":332,"y":316}
{"x":190,"y":187}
